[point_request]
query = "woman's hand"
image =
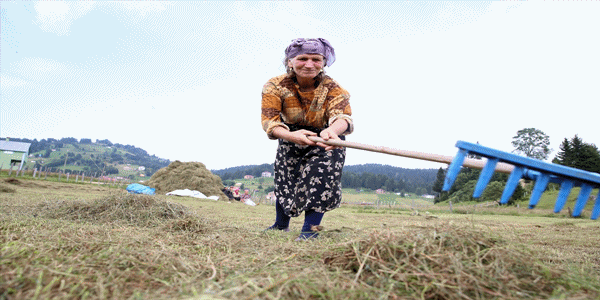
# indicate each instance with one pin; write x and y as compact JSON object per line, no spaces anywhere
{"x":328,"y":134}
{"x":332,"y":133}
{"x":298,"y":137}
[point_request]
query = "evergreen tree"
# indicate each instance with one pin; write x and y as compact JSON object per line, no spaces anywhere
{"x":439,"y":181}
{"x":578,"y":154}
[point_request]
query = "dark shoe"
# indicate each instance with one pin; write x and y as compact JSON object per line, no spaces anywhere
{"x":305,"y":236}
{"x":275,"y":227}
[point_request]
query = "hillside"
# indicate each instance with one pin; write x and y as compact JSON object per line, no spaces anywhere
{"x":372,"y":176}
{"x":104,"y":157}
{"x":100,"y":157}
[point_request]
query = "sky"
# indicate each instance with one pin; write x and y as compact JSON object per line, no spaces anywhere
{"x":182,"y":80}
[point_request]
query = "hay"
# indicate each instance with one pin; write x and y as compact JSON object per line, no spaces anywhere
{"x":189,"y":175}
{"x":127,"y":209}
{"x":13,"y":181}
{"x":6,"y":189}
{"x":446,"y":263}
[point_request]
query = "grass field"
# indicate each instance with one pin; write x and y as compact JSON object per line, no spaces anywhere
{"x":73,"y":241}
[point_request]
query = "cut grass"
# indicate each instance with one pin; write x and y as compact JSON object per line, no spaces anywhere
{"x":64,"y":243}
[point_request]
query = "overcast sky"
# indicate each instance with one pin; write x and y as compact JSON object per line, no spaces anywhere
{"x":182,"y":80}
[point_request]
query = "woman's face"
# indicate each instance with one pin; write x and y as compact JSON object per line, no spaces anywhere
{"x":307,"y":65}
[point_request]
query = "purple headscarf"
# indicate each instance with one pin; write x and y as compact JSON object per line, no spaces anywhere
{"x":311,"y":46}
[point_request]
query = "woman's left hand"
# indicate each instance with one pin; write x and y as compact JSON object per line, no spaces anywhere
{"x":328,"y":134}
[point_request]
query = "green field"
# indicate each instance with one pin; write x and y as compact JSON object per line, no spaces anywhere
{"x":76,"y":241}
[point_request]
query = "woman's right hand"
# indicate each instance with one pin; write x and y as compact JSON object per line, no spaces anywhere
{"x":298,"y":137}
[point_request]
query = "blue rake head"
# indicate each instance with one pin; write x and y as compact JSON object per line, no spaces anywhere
{"x":528,"y":168}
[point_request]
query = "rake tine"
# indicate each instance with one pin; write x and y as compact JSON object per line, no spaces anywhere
{"x":584,"y":195}
{"x":484,"y":178}
{"x":596,"y":209}
{"x":540,"y":186}
{"x":454,"y":168}
{"x":565,"y":190}
{"x":511,"y":184}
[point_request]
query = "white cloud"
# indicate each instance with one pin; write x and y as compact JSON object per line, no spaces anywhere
{"x":42,"y":69}
{"x":144,"y":8}
{"x":279,"y":19}
{"x":9,"y":81}
{"x":58,"y":16}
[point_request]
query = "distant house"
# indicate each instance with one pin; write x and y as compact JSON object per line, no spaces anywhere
{"x":379,"y":191}
{"x":266,"y":174}
{"x":13,"y":154}
{"x":428,"y":196}
{"x":141,"y":168}
{"x":248,"y":177}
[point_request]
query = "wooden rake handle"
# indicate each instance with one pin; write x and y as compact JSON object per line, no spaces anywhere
{"x":469,"y":162}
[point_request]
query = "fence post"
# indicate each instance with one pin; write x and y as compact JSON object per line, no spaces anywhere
{"x":46,"y":173}
{"x":82,"y":177}
{"x":68,"y":176}
{"x":10,"y":170}
{"x":59,"y":174}
{"x":34,"y":172}
{"x":450,"y":202}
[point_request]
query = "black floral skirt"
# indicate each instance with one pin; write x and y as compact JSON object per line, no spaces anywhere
{"x":308,"y":177}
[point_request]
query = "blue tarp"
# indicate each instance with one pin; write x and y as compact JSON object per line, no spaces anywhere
{"x":137,"y":188}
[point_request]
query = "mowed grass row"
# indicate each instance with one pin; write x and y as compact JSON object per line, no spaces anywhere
{"x":66,"y":241}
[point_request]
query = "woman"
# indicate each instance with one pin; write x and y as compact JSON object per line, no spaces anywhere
{"x":301,"y":103}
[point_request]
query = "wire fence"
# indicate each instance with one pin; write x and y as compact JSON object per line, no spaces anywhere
{"x":58,"y":175}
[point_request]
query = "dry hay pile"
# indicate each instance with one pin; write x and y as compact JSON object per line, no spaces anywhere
{"x":447,"y":263}
{"x":188,"y":175}
{"x":5,"y":188}
{"x":127,"y":209}
{"x":10,"y":181}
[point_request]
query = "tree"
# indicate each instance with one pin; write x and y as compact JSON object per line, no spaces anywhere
{"x":532,"y":143}
{"x":578,"y":154}
{"x":439,"y":181}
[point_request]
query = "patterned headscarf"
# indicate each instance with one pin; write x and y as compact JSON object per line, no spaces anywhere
{"x":311,"y":46}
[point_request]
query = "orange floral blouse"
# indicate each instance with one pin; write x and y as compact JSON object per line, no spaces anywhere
{"x":283,"y":102}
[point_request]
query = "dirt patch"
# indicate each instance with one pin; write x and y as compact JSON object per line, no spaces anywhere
{"x":187,"y":175}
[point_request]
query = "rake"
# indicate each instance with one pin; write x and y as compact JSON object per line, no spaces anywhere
{"x":518,"y":167}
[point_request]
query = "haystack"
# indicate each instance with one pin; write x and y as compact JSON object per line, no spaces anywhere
{"x":187,"y":175}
